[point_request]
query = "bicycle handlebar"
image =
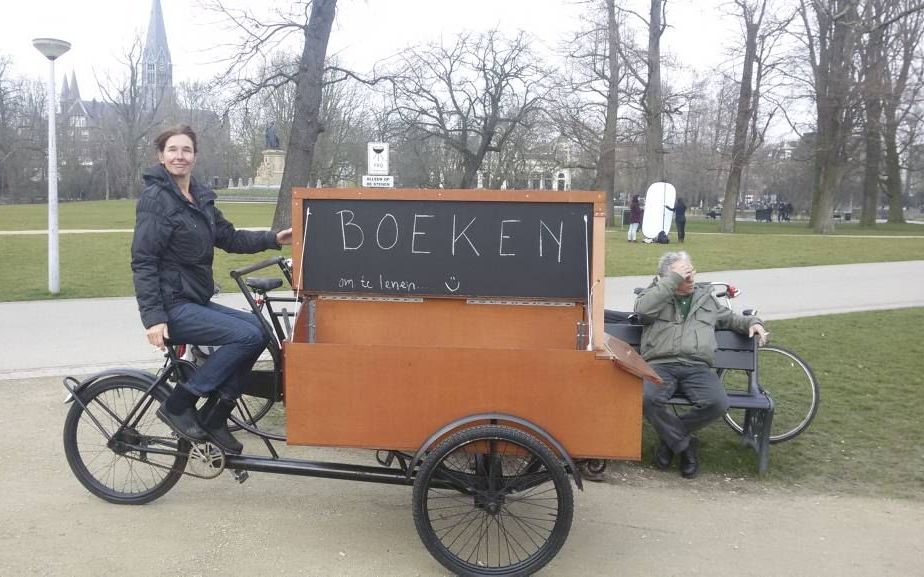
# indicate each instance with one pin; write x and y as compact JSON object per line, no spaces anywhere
{"x":237,"y":273}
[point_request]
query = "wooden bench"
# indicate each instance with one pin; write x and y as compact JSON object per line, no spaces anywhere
{"x":735,"y":352}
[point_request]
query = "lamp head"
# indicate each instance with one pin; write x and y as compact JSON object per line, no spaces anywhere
{"x":51,"y":48}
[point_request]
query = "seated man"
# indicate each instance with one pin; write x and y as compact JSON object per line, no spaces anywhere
{"x":678,"y":341}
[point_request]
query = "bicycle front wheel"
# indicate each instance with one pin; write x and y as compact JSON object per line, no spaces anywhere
{"x":492,"y":500}
{"x":789,"y":381}
{"x":131,"y":467}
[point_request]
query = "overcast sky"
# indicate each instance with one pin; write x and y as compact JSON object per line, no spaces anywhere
{"x":365,"y":31}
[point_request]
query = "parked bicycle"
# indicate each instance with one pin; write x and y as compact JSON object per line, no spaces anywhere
{"x":784,"y":375}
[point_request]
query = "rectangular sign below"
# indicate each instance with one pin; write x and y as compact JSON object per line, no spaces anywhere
{"x":374,"y":181}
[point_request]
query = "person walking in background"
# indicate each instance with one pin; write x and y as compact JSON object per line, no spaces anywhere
{"x":635,"y":218}
{"x":680,"y":217}
{"x":177,"y":228}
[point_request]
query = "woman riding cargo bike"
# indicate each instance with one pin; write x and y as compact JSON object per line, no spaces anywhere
{"x":176,"y":231}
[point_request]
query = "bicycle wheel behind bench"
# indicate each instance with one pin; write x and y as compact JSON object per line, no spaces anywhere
{"x":791,"y":384}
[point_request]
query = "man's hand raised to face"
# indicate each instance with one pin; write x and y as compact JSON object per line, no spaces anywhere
{"x":685,"y":269}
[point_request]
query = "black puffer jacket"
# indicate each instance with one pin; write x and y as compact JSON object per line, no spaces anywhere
{"x":175,"y":242}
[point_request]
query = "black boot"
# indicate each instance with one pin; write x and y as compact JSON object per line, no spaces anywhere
{"x":216,"y":425}
{"x":207,"y":407}
{"x":689,"y":459}
{"x":179,"y":411}
{"x":663,"y":456}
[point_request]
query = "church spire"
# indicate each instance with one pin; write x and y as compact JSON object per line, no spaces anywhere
{"x":157,"y":68}
{"x":75,"y":91}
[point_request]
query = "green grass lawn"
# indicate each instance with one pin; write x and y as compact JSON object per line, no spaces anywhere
{"x":114,"y":214}
{"x":92,"y":265}
{"x":738,"y":251}
{"x":867,"y":437}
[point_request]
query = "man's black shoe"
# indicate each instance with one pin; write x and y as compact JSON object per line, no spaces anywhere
{"x":689,"y":459}
{"x":216,"y":425}
{"x":184,"y":422}
{"x":663,"y":457}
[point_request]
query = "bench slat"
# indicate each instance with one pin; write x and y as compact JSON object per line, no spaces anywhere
{"x":743,"y":360}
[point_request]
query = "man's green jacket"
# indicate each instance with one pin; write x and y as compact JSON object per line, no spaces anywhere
{"x":668,"y":338}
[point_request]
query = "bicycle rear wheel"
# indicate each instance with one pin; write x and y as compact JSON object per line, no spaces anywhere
{"x":136,"y":466}
{"x":789,"y":381}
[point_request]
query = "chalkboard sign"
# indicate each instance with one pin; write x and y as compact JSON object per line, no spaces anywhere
{"x":447,"y":248}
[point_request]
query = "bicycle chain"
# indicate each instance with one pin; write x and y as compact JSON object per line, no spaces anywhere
{"x":195,"y":454}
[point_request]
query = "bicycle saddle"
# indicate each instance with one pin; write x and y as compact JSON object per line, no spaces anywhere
{"x":263,"y":284}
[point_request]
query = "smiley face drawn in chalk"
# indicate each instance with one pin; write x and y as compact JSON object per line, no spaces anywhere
{"x":453,"y":284}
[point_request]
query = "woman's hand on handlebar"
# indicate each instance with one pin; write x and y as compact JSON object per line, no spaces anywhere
{"x":157,"y":334}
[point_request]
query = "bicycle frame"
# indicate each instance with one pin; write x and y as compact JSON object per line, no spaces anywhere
{"x":171,"y":368}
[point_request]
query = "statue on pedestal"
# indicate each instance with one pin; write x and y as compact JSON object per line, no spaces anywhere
{"x":272,"y":137}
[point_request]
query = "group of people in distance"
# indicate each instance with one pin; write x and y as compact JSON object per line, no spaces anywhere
{"x":178,"y":227}
{"x":635,"y":218}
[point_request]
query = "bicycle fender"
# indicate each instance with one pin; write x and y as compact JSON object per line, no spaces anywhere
{"x":538,"y":431}
{"x":74,"y":390}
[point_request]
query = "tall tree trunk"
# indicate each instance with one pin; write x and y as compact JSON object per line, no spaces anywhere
{"x":894,"y":177}
{"x":873,"y":142}
{"x":836,"y":45}
{"x":742,"y":120}
{"x":306,"y":124}
{"x":654,"y":108}
{"x":606,"y":161}
{"x":470,"y":165}
{"x":873,"y":63}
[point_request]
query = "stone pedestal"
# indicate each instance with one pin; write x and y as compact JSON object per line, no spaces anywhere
{"x":269,"y":174}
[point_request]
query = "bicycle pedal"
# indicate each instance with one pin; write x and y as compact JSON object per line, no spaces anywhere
{"x":239,"y":475}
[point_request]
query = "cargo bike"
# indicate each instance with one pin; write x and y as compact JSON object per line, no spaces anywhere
{"x":457,"y":334}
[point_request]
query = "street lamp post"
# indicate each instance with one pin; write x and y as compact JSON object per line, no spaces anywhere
{"x":52,"y":48}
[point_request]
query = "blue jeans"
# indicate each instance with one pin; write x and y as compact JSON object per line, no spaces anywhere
{"x":700,"y":385}
{"x":240,"y":335}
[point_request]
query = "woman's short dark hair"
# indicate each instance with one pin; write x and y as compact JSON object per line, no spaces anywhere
{"x":161,"y":141}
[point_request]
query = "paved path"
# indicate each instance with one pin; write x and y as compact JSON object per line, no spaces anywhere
{"x":44,"y":338}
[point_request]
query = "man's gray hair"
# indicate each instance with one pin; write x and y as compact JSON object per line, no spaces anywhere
{"x":669,"y":258}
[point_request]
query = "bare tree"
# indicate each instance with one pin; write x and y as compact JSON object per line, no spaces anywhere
{"x":592,"y":102}
{"x":872,"y":62}
{"x":654,"y":103}
{"x":126,"y":130}
{"x":23,"y":135}
{"x":9,"y":104}
{"x":471,"y":96}
{"x":831,"y":30}
{"x":259,"y":36}
{"x":759,"y":41}
{"x":341,"y":147}
{"x":903,"y":86}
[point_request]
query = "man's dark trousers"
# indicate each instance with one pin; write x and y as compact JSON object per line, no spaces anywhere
{"x":700,"y":384}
